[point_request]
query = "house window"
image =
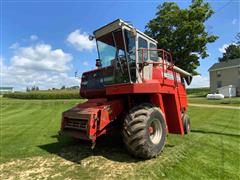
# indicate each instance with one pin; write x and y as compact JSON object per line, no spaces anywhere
{"x":219,"y":84}
{"x":218,"y":73}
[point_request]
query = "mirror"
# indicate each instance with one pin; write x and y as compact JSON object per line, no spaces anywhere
{"x":98,"y":63}
{"x":91,"y":37}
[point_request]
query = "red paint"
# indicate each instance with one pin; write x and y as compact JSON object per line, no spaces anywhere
{"x":109,"y":103}
{"x":97,"y":113}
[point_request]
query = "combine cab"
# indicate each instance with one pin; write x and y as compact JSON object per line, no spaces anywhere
{"x":135,"y":90}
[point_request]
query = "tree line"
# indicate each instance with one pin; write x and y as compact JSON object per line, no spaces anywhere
{"x":36,"y":88}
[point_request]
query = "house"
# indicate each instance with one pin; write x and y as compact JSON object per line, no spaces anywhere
{"x":225,"y":74}
{"x":6,"y":90}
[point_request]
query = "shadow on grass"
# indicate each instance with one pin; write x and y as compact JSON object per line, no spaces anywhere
{"x":111,"y":148}
{"x":212,"y":132}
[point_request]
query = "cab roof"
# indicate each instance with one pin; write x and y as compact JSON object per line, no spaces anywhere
{"x":118,"y":23}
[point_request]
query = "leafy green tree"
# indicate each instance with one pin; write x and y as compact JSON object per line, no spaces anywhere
{"x":33,"y":88}
{"x":28,"y":89}
{"x":238,"y":38}
{"x":182,"y":32}
{"x":231,"y":52}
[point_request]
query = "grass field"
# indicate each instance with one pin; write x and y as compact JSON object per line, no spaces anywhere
{"x":30,"y":149}
{"x":235,"y":101}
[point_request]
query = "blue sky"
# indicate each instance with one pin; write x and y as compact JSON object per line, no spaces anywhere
{"x":44,"y":42}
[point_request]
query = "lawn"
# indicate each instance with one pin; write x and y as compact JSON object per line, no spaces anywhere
{"x":234,"y":101}
{"x":30,"y":149}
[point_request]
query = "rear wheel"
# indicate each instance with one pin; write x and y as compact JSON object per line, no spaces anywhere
{"x":144,"y":131}
{"x":186,"y":123}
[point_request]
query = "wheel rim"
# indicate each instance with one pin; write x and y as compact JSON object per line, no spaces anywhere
{"x":155,"y":131}
{"x":188,"y":127}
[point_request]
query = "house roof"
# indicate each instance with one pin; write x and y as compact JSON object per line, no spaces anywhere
{"x":227,"y":64}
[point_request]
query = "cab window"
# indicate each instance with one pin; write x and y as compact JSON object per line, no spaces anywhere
{"x":153,"y":54}
{"x":142,"y":43}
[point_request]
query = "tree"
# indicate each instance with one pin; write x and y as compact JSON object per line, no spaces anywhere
{"x":231,"y":52}
{"x":28,"y":89}
{"x":63,"y":87}
{"x":182,"y":32}
{"x":237,"y":38}
{"x":33,"y":88}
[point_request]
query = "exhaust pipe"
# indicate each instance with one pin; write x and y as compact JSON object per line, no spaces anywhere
{"x":187,"y":76}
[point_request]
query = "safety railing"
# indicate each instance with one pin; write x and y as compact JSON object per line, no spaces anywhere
{"x":166,"y":60}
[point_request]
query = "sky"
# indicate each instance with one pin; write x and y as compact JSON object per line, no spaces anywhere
{"x":43,"y":43}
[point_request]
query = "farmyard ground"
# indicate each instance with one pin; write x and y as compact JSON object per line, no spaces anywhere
{"x":30,"y":148}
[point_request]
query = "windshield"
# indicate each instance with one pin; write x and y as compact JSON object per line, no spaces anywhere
{"x":110,"y":47}
{"x":106,"y":52}
{"x":112,"y":55}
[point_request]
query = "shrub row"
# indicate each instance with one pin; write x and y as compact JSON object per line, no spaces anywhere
{"x":60,"y":94}
{"x":198,"y":91}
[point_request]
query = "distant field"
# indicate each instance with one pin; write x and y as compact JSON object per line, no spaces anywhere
{"x":46,"y":94}
{"x":30,"y":149}
{"x":235,"y":101}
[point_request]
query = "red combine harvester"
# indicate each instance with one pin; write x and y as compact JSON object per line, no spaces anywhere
{"x":135,"y":90}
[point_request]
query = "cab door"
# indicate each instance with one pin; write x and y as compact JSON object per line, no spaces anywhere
{"x":144,"y":71}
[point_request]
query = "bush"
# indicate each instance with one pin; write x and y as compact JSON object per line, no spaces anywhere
{"x":50,"y":94}
{"x":200,"y":92}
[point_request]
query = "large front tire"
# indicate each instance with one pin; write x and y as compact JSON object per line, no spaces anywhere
{"x":144,"y":131}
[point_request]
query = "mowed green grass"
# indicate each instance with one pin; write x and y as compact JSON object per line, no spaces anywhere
{"x":30,"y":149}
{"x":25,"y":124}
{"x":234,"y":101}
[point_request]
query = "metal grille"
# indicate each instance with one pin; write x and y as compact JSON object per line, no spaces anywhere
{"x":76,"y":124}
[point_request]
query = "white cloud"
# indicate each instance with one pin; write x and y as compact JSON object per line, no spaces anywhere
{"x":33,"y":37}
{"x":223,"y":48}
{"x":41,"y":57}
{"x":80,"y":41}
{"x":234,"y":21}
{"x":2,"y":67}
{"x":199,"y":81}
{"x":85,"y":63}
{"x":14,"y":45}
{"x":38,"y":65}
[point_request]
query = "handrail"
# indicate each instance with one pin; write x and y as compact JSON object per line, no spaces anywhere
{"x":164,"y":57}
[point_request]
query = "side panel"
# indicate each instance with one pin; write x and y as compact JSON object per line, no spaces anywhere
{"x":149,"y":87}
{"x":183,"y":97}
{"x":173,"y":113}
{"x":157,"y":100}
